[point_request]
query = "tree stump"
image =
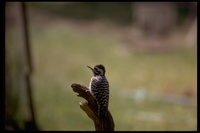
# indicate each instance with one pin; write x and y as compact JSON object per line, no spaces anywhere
{"x":90,"y":107}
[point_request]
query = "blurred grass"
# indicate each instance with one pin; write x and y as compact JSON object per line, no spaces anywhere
{"x":60,"y":56}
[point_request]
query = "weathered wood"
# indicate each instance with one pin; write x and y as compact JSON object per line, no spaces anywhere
{"x":90,"y":107}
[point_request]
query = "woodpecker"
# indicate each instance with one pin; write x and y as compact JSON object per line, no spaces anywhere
{"x":99,"y":88}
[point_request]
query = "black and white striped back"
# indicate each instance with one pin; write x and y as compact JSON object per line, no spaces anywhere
{"x":99,"y":88}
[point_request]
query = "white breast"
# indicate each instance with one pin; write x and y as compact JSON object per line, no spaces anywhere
{"x":90,"y":84}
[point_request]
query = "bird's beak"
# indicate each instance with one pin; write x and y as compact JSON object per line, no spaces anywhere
{"x":90,"y":68}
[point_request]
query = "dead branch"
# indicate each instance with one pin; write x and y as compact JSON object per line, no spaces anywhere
{"x":90,"y":107}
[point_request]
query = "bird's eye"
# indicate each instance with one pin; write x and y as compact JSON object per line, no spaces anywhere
{"x":97,"y":70}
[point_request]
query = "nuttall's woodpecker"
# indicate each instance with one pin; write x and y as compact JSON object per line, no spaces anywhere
{"x":99,"y":88}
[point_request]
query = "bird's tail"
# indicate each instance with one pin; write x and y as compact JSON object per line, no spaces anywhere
{"x":103,"y":115}
{"x":103,"y":112}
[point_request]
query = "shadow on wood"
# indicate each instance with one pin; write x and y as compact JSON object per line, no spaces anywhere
{"x":91,"y":109}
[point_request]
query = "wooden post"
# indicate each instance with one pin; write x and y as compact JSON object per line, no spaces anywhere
{"x":31,"y":123}
{"x":90,"y":107}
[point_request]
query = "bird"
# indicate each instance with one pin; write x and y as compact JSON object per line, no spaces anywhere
{"x":99,"y":89}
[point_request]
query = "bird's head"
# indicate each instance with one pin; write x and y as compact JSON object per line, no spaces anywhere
{"x":98,"y":70}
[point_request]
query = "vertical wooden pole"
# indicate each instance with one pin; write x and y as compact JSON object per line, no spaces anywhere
{"x":30,"y":124}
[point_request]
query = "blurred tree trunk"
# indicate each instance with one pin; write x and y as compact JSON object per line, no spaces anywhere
{"x":155,"y":18}
{"x":18,"y":94}
{"x":191,"y":36}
